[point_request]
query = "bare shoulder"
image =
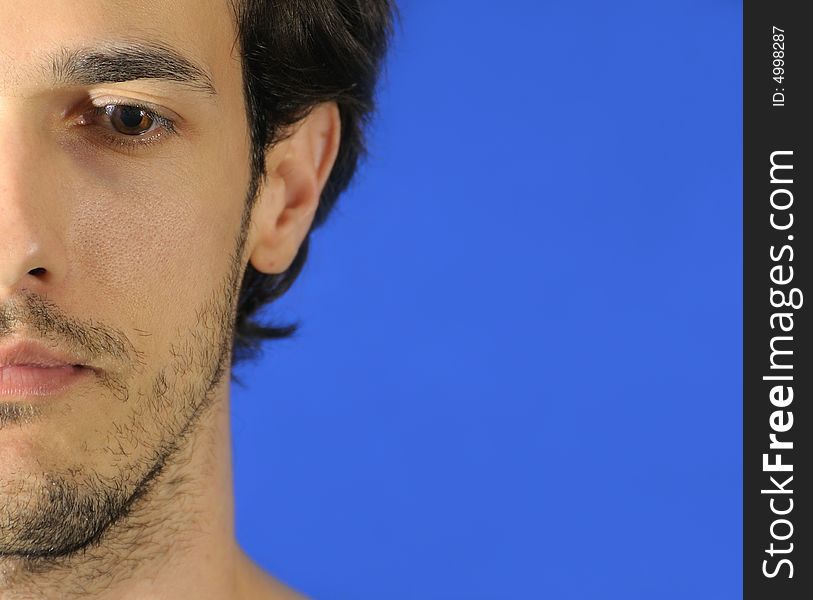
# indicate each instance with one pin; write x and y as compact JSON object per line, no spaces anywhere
{"x":256,"y":584}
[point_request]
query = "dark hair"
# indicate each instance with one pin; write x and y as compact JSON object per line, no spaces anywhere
{"x":297,"y":54}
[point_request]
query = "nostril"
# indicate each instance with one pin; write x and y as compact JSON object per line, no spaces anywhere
{"x":37,"y":271}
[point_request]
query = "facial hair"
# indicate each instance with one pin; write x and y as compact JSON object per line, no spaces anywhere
{"x":50,"y":516}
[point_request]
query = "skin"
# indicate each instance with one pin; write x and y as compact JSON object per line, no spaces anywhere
{"x":131,"y":257}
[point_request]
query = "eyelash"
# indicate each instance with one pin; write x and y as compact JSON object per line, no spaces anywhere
{"x":128,"y":142}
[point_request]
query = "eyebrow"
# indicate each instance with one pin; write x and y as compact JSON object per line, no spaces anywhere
{"x":129,"y":61}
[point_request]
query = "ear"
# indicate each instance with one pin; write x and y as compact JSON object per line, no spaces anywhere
{"x":297,"y":169}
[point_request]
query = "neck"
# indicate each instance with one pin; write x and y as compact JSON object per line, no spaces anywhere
{"x":176,"y":542}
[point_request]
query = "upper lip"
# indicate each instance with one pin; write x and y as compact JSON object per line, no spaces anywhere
{"x":35,"y":354}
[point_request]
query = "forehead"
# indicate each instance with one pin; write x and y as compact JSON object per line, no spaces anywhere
{"x":33,"y":32}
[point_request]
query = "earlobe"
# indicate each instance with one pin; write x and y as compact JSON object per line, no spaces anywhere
{"x":297,"y":170}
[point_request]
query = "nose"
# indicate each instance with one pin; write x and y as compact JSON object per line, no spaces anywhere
{"x":32,"y":216}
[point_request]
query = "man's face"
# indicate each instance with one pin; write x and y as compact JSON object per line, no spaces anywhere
{"x":120,"y":242}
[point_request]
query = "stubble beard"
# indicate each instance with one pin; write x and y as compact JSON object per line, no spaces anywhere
{"x":65,"y":515}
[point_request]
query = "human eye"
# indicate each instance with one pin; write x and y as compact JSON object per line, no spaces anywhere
{"x":128,"y":125}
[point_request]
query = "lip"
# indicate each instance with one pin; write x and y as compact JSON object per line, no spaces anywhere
{"x":24,"y":380}
{"x":28,"y":368}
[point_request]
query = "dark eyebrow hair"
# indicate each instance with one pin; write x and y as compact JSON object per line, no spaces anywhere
{"x":128,"y":61}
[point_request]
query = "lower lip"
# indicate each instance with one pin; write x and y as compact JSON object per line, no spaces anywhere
{"x":27,"y":380}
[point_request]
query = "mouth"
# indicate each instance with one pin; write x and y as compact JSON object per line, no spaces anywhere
{"x":27,"y":380}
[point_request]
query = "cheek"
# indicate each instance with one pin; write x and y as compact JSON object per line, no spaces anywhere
{"x":152,"y":248}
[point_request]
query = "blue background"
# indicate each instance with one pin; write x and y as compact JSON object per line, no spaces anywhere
{"x":519,"y":371}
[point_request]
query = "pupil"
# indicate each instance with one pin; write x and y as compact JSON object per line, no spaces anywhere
{"x":130,"y":119}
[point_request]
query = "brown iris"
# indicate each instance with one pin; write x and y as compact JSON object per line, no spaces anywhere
{"x":129,"y":120}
